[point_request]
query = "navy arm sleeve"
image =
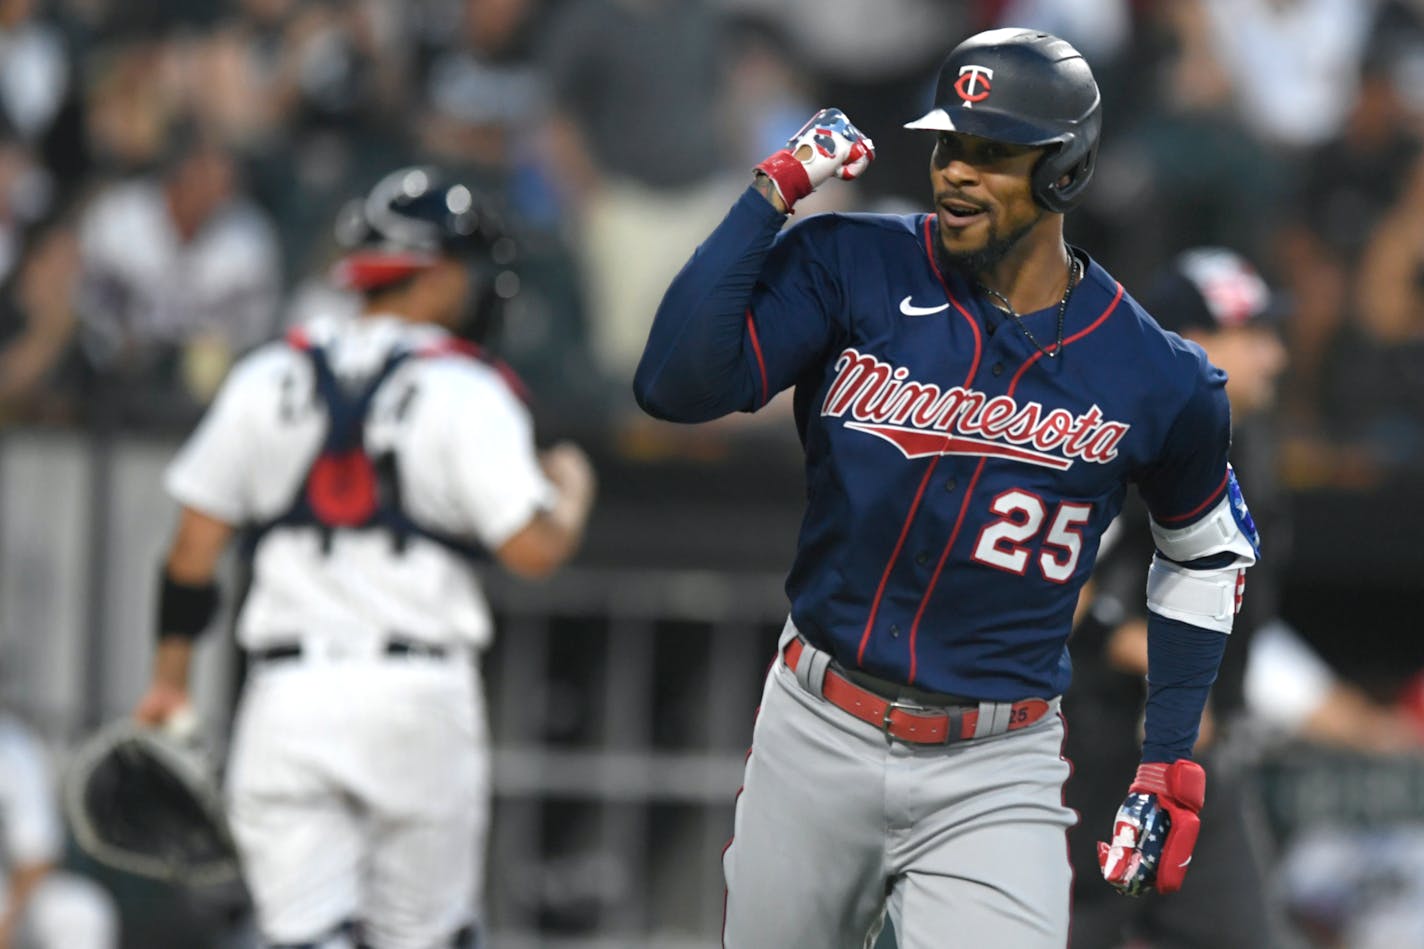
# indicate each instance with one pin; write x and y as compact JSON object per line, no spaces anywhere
{"x":1182,"y":660}
{"x":740,"y":321}
{"x":1186,"y":484}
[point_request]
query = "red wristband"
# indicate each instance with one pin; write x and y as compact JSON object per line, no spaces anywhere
{"x":788,"y":174}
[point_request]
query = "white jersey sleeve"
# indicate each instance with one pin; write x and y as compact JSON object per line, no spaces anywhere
{"x":498,"y":484}
{"x":211,"y":472}
{"x":30,"y":831}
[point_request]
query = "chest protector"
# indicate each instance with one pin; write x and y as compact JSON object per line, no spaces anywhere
{"x":347,"y":487}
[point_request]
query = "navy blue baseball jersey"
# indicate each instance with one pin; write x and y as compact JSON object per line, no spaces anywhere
{"x":959,"y":478}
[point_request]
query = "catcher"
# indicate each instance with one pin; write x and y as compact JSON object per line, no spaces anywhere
{"x":374,"y":461}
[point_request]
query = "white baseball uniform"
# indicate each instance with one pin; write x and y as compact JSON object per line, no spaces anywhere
{"x":358,"y":775}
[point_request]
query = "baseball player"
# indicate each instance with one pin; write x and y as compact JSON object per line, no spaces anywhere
{"x":973,"y":397}
{"x":376,"y":460}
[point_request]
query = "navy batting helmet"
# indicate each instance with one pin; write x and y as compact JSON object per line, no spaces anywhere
{"x":415,"y":216}
{"x":1026,"y":88}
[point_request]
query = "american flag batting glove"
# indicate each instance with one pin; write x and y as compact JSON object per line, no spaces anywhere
{"x":827,"y":145}
{"x":1155,"y":829}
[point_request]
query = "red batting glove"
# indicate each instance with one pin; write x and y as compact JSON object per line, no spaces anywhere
{"x":827,"y":145}
{"x":1155,"y":829}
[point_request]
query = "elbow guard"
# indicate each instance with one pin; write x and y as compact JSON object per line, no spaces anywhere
{"x":1205,"y":598}
{"x":185,"y":609}
{"x":1228,"y":529}
{"x":1226,"y":542}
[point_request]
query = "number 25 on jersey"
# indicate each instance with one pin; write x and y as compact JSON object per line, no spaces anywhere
{"x":1004,"y":543}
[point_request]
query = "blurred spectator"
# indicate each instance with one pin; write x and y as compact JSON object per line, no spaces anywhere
{"x":1354,"y":877}
{"x":313,"y":96}
{"x":1356,"y":888}
{"x":25,"y":199}
{"x":1099,"y":29}
{"x":37,"y":323}
{"x":1293,"y":692}
{"x":1397,"y":39}
{"x":1294,"y":64}
{"x":485,"y":92}
{"x":1347,"y":186}
{"x":767,"y":91}
{"x":1372,"y":367}
{"x":285,"y":62}
{"x":129,"y":102}
{"x":637,"y":142}
{"x":40,"y":906}
{"x":1390,"y":295}
{"x":180,"y":273}
{"x":1180,"y":166}
{"x":34,"y":70}
{"x":876,"y":62}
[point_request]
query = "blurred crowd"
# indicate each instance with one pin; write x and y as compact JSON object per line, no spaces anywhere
{"x":169,"y":172}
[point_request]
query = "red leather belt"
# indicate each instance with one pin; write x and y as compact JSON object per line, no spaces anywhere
{"x":910,"y":723}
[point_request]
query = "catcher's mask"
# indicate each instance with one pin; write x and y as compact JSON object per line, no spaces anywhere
{"x":144,"y":802}
{"x":415,"y":216}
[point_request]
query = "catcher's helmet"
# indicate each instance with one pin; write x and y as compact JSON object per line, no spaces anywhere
{"x":1027,"y":88}
{"x":415,"y":216}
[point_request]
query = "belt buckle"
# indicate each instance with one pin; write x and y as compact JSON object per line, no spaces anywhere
{"x":914,"y":708}
{"x":953,"y":720}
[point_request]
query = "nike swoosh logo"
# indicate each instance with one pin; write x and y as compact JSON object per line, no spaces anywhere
{"x":909,"y":309}
{"x":1185,"y":862}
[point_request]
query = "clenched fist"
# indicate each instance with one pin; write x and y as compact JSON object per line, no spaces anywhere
{"x":1155,"y":829}
{"x":827,"y":145}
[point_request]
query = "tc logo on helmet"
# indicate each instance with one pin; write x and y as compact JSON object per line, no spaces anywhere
{"x":973,"y":84}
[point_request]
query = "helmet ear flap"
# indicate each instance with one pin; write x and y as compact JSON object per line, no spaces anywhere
{"x":1072,"y":158}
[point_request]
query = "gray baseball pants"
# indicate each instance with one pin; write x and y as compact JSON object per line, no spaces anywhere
{"x":964,"y":845}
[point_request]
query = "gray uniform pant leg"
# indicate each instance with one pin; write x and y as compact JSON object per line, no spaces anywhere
{"x":967,"y":840}
{"x":982,"y":859}
{"x":806,"y":865}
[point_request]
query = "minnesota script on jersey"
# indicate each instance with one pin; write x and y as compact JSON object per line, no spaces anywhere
{"x":958,"y":480}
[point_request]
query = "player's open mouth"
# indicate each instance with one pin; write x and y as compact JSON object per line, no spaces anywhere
{"x":960,"y":213}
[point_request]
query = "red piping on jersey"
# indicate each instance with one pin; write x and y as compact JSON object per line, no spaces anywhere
{"x":894,"y":555}
{"x":929,"y":471}
{"x":1211,"y":498}
{"x":973,"y":323}
{"x":1074,"y":338}
{"x":756,"y":348}
{"x":939,"y":567}
{"x":974,"y":481}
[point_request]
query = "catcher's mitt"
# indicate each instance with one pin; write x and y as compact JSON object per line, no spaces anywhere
{"x":144,"y":801}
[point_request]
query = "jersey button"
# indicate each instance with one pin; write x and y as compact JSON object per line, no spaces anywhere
{"x":998,"y":369}
{"x":951,"y":484}
{"x":922,"y":558}
{"x":894,"y":632}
